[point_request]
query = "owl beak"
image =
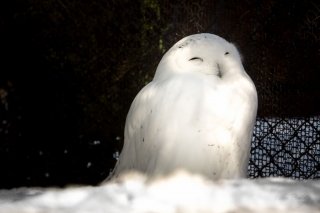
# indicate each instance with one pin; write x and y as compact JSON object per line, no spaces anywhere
{"x":219,"y":74}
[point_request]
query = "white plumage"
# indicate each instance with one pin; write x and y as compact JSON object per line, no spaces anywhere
{"x":197,"y":114}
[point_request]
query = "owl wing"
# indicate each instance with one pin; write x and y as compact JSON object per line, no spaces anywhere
{"x":136,"y":130}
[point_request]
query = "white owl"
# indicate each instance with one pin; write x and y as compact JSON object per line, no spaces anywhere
{"x":197,"y":114}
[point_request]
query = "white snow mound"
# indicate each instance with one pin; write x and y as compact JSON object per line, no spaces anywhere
{"x":180,"y":192}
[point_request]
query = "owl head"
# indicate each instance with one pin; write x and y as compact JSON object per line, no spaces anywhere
{"x":201,"y":54}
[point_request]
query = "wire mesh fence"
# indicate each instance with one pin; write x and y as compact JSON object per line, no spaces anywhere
{"x":288,"y":147}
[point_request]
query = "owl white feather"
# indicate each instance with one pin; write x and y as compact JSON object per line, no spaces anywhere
{"x":197,"y":114}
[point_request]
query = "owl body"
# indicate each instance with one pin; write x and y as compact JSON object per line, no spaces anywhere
{"x":197,"y":114}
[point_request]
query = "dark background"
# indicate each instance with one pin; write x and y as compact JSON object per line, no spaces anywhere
{"x":69,"y":71}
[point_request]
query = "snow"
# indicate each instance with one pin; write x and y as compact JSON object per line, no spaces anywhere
{"x":179,"y":192}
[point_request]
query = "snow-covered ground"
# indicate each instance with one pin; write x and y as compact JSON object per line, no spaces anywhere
{"x":179,"y":193}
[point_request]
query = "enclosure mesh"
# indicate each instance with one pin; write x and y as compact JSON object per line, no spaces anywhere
{"x":287,"y":147}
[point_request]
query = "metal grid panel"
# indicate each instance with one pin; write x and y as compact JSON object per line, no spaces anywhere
{"x":287,"y":147}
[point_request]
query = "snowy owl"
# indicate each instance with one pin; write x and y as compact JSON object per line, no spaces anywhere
{"x":197,"y":114}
